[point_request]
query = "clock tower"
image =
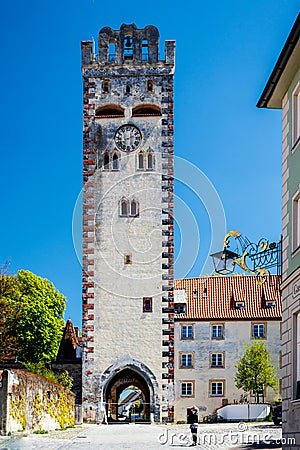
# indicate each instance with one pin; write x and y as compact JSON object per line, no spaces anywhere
{"x":128,"y":233}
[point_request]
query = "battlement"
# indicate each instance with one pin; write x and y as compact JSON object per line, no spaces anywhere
{"x":129,"y":45}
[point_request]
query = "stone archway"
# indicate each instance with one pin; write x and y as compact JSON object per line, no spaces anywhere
{"x":131,"y":380}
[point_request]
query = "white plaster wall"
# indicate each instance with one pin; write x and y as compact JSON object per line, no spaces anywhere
{"x":236,"y":334}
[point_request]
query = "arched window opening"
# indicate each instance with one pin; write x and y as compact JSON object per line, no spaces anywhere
{"x":145,"y":50}
{"x":146,"y":110}
{"x":115,"y":161}
{"x":150,"y":161}
{"x":124,"y":208}
{"x":106,"y":161}
{"x":128,"y":89}
{"x":150,"y":86}
{"x":141,"y":161}
{"x":133,"y":208}
{"x":109,"y":111}
{"x":128,"y":47}
{"x":112,"y":51}
{"x":105,"y":86}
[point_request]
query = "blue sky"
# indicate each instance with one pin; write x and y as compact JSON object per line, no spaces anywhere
{"x":225,"y":52}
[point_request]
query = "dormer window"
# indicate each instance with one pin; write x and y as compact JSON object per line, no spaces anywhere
{"x":239,"y":305}
{"x":179,"y":308}
{"x":270,"y":303}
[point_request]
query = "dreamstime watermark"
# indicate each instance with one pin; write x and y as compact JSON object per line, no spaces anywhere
{"x":143,"y":237}
{"x":243,"y":435}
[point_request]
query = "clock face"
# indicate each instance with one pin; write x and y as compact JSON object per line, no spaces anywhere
{"x":128,"y":138}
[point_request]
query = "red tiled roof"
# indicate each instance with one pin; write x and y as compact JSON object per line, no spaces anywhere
{"x":223,"y":291}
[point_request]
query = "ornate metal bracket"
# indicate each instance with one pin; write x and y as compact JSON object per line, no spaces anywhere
{"x":255,"y":259}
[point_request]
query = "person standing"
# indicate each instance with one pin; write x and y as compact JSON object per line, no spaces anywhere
{"x":192,"y":419}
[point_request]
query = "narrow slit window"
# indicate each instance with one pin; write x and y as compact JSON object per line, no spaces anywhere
{"x":147,"y":304}
{"x":150,"y":161}
{"x":106,"y":86}
{"x":150,"y":86}
{"x":128,"y":89}
{"x":106,"y":161}
{"x":145,"y":50}
{"x":115,"y":162}
{"x":133,"y":208}
{"x":124,"y":208}
{"x":127,"y":259}
{"x":141,"y":161}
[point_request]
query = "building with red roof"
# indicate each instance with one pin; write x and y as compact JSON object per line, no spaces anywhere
{"x":216,"y":316}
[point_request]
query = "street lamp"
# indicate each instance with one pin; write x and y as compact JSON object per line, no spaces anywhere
{"x":223,"y":261}
{"x":253,"y":258}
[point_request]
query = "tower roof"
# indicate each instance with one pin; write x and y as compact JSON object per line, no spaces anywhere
{"x":68,"y":344}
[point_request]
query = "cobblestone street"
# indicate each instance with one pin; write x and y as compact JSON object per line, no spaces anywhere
{"x":151,"y":437}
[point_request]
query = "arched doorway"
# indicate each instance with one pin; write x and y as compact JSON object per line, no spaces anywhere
{"x":128,"y":397}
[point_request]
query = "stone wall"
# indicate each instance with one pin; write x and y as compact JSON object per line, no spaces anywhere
{"x":31,"y":402}
{"x":75,"y":371}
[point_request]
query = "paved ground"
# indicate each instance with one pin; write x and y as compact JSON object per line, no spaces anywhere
{"x":149,"y":437}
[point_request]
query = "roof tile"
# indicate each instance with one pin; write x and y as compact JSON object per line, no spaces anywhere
{"x":217,"y":296}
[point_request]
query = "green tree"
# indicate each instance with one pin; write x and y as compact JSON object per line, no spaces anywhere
{"x":255,"y":370}
{"x":31,"y":318}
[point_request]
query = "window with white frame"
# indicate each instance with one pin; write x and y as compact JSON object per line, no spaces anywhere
{"x":187,"y":332}
{"x":258,"y":331}
{"x":187,"y":388}
{"x":217,"y":359}
{"x":217,"y":331}
{"x":216,"y":388}
{"x":296,"y":221}
{"x":297,"y":387}
{"x":186,"y":360}
{"x":296,"y":115}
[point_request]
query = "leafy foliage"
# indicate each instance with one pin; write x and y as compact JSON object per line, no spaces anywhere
{"x":31,"y":318}
{"x":255,"y":370}
{"x":40,"y":368}
{"x":65,"y":380}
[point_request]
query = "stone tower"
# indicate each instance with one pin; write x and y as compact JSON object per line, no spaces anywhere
{"x":128,"y":241}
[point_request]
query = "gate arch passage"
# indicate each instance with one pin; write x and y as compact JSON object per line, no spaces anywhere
{"x":129,"y":396}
